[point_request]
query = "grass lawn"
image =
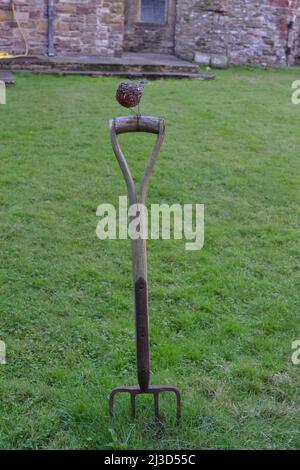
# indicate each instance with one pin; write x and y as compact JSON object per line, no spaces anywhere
{"x":222,"y":319}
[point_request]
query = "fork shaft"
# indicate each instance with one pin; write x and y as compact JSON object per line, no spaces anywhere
{"x":142,"y":333}
{"x":139,"y":267}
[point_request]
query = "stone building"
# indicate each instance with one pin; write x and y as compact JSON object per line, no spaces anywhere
{"x":262,"y":32}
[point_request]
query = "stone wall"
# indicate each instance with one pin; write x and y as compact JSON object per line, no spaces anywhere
{"x":32,"y":18}
{"x":247,"y":31}
{"x":85,"y":27}
{"x":90,"y":27}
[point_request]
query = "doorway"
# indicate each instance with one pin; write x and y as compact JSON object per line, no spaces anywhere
{"x":150,"y":26}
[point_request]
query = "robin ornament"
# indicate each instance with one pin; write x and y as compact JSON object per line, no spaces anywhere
{"x":129,"y":94}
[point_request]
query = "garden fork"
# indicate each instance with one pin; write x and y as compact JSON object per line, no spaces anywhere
{"x":156,"y":126}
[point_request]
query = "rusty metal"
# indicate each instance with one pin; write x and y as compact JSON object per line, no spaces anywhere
{"x":155,"y":390}
{"x":139,"y":264}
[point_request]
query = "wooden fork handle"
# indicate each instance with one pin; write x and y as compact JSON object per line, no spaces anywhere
{"x":156,"y":126}
{"x":136,"y":124}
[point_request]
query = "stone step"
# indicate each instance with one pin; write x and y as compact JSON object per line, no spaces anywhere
{"x":133,"y":75}
{"x":68,"y":66}
{"x":128,"y":64}
{"x":133,"y":65}
{"x":7,"y":78}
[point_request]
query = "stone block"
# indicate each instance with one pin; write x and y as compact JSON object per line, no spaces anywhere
{"x":219,"y":61}
{"x":66,"y":8}
{"x":5,"y":15}
{"x":202,"y":58}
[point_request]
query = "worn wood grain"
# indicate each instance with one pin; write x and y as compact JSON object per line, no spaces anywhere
{"x":136,"y":124}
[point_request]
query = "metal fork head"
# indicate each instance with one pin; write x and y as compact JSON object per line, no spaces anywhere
{"x":155,"y":390}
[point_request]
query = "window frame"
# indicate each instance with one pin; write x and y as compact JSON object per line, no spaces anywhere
{"x":151,"y":23}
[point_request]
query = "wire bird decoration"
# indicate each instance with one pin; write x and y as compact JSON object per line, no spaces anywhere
{"x":129,"y":94}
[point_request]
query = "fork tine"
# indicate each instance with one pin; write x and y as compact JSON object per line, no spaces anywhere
{"x":156,"y":404}
{"x":178,"y":398}
{"x":111,"y":404}
{"x":133,"y":404}
{"x":155,"y":390}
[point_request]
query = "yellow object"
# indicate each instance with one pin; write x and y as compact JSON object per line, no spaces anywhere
{"x":6,"y":55}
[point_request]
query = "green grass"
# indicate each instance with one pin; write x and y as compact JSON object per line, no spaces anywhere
{"x":222,"y":319}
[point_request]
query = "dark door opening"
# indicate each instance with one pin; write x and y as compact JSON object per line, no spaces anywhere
{"x":150,"y":26}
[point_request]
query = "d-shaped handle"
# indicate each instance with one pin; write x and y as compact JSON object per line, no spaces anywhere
{"x":122,"y":125}
{"x":136,"y":124}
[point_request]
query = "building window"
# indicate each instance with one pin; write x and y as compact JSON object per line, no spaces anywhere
{"x":153,"y":11}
